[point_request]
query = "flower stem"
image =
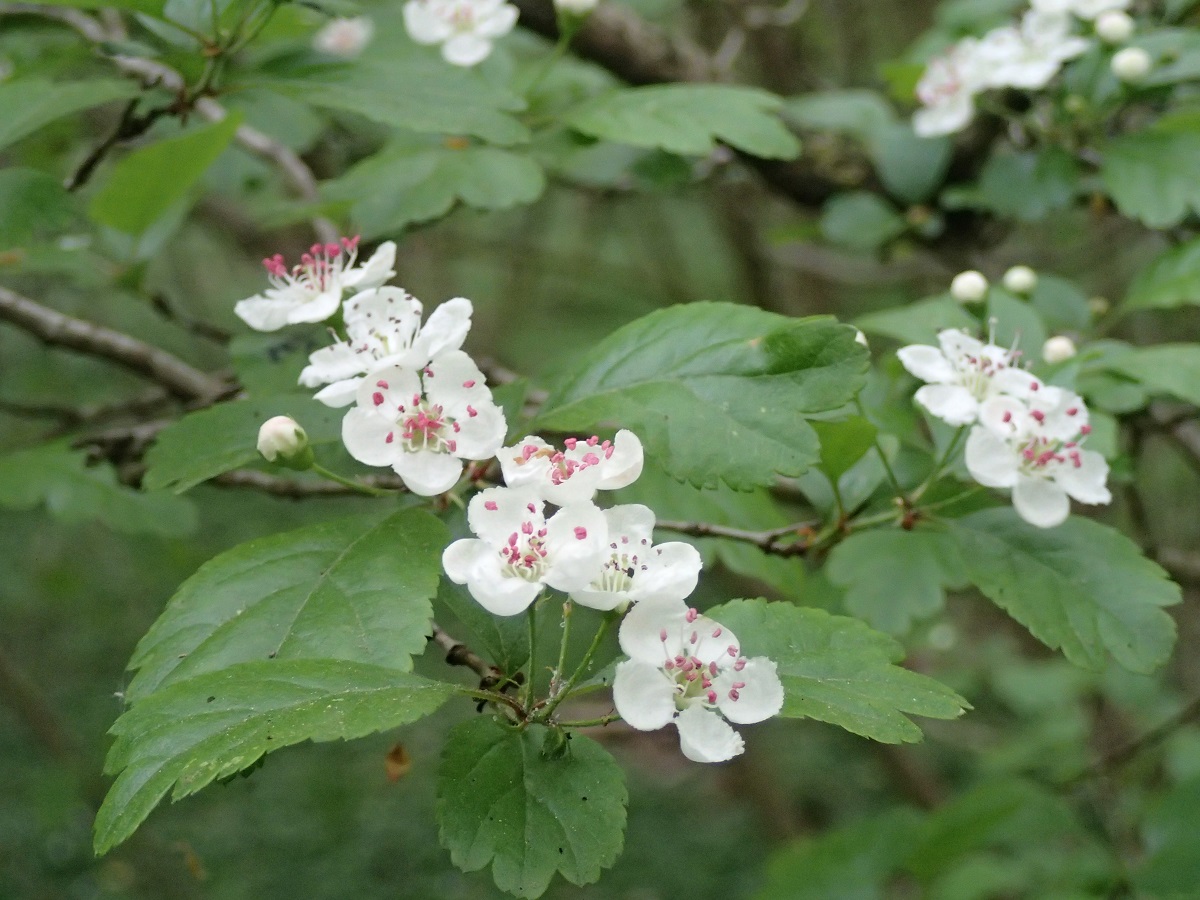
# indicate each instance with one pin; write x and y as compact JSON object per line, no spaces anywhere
{"x":947,"y":457}
{"x":887,"y":466}
{"x":558,"y":698}
{"x":556,"y":680}
{"x":530,"y":684}
{"x":351,"y":483}
{"x":587,"y":723}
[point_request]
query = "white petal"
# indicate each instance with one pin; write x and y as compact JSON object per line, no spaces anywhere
{"x":332,"y":363}
{"x":624,"y":467}
{"x":263,"y":313}
{"x":631,"y":521}
{"x":1004,"y":416}
{"x":453,"y":380}
{"x":427,"y":473}
{"x":671,"y":573}
{"x":1087,"y":482}
{"x":709,"y":641}
{"x":927,"y":363}
{"x":1040,"y":502}
{"x":388,"y":389}
{"x":477,"y":565}
{"x":375,"y":271}
{"x":519,"y":471}
{"x":447,"y":327}
{"x":945,"y":118}
{"x":760,"y":698}
{"x":952,"y":403}
{"x":643,"y":695}
{"x":601,"y":600}
{"x":956,"y":343}
{"x":480,"y":436}
{"x":642,"y":628}
{"x":576,"y":538}
{"x":317,"y":309}
{"x":467,"y":558}
{"x":1015,"y":382}
{"x":423,"y":25}
{"x":705,"y":737}
{"x":991,"y":460}
{"x":497,"y":24}
{"x":365,"y":435}
{"x":340,"y":393}
{"x":466,"y":49}
{"x":497,"y":512}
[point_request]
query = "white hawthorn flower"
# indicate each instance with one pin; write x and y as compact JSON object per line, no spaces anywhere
{"x":425,"y":424}
{"x":947,"y":91}
{"x":383,"y":329}
{"x":346,"y":38}
{"x":1020,"y":280}
{"x":634,"y":570}
{"x":969,"y":287}
{"x":1090,"y":9}
{"x":518,"y":550}
{"x":685,"y":668}
{"x":576,"y":472}
{"x":962,"y":374}
{"x":281,"y":437}
{"x":1114,"y":27}
{"x":1131,"y":64}
{"x":1058,"y":349}
{"x":464,"y":28}
{"x":1036,"y":450}
{"x":312,"y":291}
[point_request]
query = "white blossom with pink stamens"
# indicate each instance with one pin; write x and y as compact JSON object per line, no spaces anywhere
{"x":688,"y":669}
{"x":383,"y":328}
{"x":947,"y":91}
{"x":312,"y":290}
{"x":424,"y":424}
{"x":576,"y":472}
{"x":518,"y":550}
{"x":464,"y":28}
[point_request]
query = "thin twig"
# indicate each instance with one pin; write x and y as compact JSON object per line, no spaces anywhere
{"x":1130,"y":751}
{"x":769,"y":540}
{"x":296,"y":489}
{"x":459,"y":654}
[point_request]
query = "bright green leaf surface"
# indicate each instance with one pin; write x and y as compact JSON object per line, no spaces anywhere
{"x":501,"y":801}
{"x":1154,"y":174}
{"x":835,"y":669}
{"x":689,"y":119}
{"x":918,"y":323}
{"x":31,"y":203}
{"x":1173,"y":279}
{"x":502,"y":640}
{"x":843,"y":444}
{"x":357,"y":589}
{"x":27,"y":104}
{"x":1080,"y":587}
{"x":1165,"y":369}
{"x":715,"y":391}
{"x":219,"y":723}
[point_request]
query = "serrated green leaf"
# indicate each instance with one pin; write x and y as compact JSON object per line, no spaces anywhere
{"x":500,"y":801}
{"x":358,"y":589}
{"x":217,"y":724}
{"x":1163,"y":369}
{"x":860,"y":220}
{"x":60,"y":478}
{"x":918,"y":323}
{"x":1022,"y":186}
{"x":1171,"y":280}
{"x":716,"y":392}
{"x":1081,"y":587}
{"x":689,"y":119}
{"x":893,"y":577}
{"x":1154,"y":175}
{"x":835,"y":669}
{"x":31,"y":203}
{"x":1016,"y":322}
{"x":205,"y":443}
{"x":502,"y":640}
{"x":26,"y":104}
{"x":843,"y":444}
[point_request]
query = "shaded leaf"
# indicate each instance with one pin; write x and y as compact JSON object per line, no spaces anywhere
{"x":1154,"y":175}
{"x":26,"y":104}
{"x":1163,"y":369}
{"x":31,"y":203}
{"x":1171,"y":280}
{"x":918,"y":323}
{"x":860,"y":220}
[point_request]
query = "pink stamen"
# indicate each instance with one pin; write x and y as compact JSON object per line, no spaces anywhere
{"x":490,"y":505}
{"x":580,"y":533}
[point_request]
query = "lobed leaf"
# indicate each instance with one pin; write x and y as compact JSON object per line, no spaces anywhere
{"x":1154,"y":175}
{"x":1163,"y":369}
{"x":1171,"y":280}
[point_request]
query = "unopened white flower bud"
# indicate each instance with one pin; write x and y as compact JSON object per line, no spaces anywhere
{"x":969,"y":287}
{"x":1098,"y":306}
{"x":1131,"y":64}
{"x":575,"y":7}
{"x":1058,"y":349}
{"x":1114,"y":27}
{"x":1020,"y":280}
{"x":346,"y":38}
{"x":860,"y":338}
{"x":282,"y":440}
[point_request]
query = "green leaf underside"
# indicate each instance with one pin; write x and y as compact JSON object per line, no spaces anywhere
{"x":501,"y":801}
{"x":893,"y":577}
{"x":837,"y":670}
{"x":31,"y":203}
{"x":219,"y":723}
{"x":1081,"y":587}
{"x":1154,"y":174}
{"x":1173,"y":279}
{"x":357,"y":589}
{"x":73,"y":491}
{"x":689,"y":119}
{"x":1165,"y":369}
{"x":716,"y":392}
{"x":918,"y":323}
{"x":208,"y":442}
{"x":26,"y":104}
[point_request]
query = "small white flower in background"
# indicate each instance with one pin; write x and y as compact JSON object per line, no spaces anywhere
{"x":860,"y":338}
{"x":964,"y":373}
{"x":281,"y":439}
{"x":1114,"y":27}
{"x":1020,"y":280}
{"x":1030,"y":56}
{"x":969,"y":287}
{"x":464,"y":28}
{"x":686,"y":668}
{"x":1037,"y":451}
{"x":576,"y":7}
{"x":1058,"y":349}
{"x":947,"y":91}
{"x":346,"y":38}
{"x":634,"y":569}
{"x":425,"y":424}
{"x":312,"y":291}
{"x":1131,"y":64}
{"x":1090,"y":9}
{"x":383,"y":328}
{"x":576,"y":472}
{"x":518,"y":550}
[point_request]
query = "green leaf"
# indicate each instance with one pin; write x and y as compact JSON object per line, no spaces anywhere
{"x":150,"y":7}
{"x":502,"y":640}
{"x":835,"y":669}
{"x":1171,"y":280}
{"x":860,"y":220}
{"x":60,"y":478}
{"x":219,"y":723}
{"x":689,"y":119}
{"x":910,"y":167}
{"x":893,"y":577}
{"x":1022,"y":186}
{"x":31,"y":203}
{"x":358,"y":589}
{"x":1164,"y":369}
{"x":501,"y":801}
{"x":1081,"y":587}
{"x":918,"y":323}
{"x":1061,"y":304}
{"x":1016,"y":322}
{"x":1154,"y":175}
{"x":27,"y":104}
{"x":148,"y":182}
{"x":420,"y":93}
{"x":1171,"y":865}
{"x":205,"y":443}
{"x":698,"y":380}
{"x":393,"y":189}
{"x":857,"y":112}
{"x":843,"y":444}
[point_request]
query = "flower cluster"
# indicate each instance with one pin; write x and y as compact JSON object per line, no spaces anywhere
{"x":464,"y":28}
{"x":1024,"y":55}
{"x":1025,"y":435}
{"x":683,"y":668}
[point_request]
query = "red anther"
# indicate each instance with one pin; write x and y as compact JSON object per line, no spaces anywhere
{"x":1073,"y":411}
{"x":377,"y":398}
{"x":570,"y":443}
{"x":381,"y":384}
{"x":691,"y":676}
{"x":1086,"y":429}
{"x":526,"y":528}
{"x":712,"y":669}
{"x":1007,"y":417}
{"x":593,"y":441}
{"x":332,"y":249}
{"x":580,"y":533}
{"x":490,"y":505}
{"x":712,"y":696}
{"x":472,"y":412}
{"x":528,"y":451}
{"x":316,"y":249}
{"x":732,"y":651}
{"x":692,"y":615}
{"x":739,"y":665}
{"x":531,"y":507}
{"x":694,"y":638}
{"x":390,"y":437}
{"x":734,"y":695}
{"x":512,"y":539}
{"x":451,"y":446}
{"x":738,"y":685}
{"x":669,"y":665}
{"x":1035,"y":387}
{"x":1038,"y":416}
{"x":716,"y":632}
{"x":468,"y":384}
{"x":428,"y":372}
{"x":662,"y":635}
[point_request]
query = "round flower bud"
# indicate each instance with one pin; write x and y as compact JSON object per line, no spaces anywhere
{"x":346,"y":38}
{"x":1058,"y":349}
{"x":969,"y":287}
{"x":1131,"y":64}
{"x":1114,"y":27}
{"x":575,"y":7}
{"x":281,"y":440}
{"x":1020,"y":280}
